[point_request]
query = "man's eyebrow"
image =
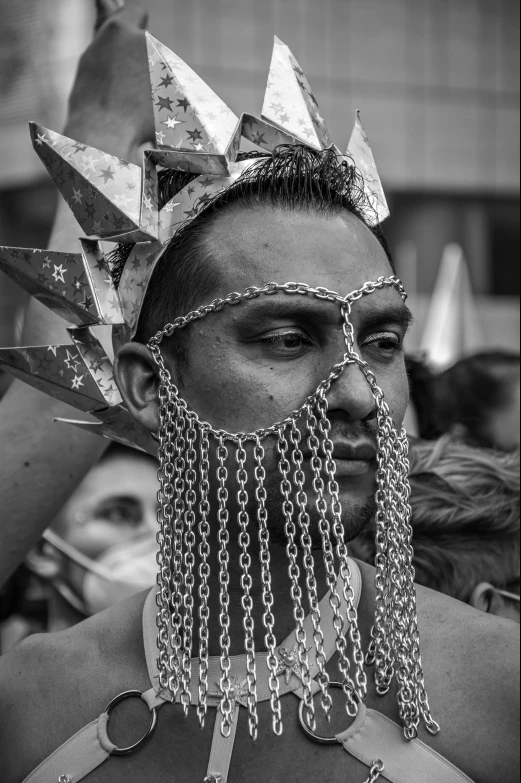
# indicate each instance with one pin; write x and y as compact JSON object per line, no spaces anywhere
{"x":292,"y":306}
{"x":326,"y":312}
{"x":396,"y":313}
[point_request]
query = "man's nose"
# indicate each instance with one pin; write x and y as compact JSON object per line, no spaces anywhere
{"x":351,"y":394}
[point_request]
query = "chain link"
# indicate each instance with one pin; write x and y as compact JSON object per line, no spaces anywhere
{"x":175,"y":664}
{"x":204,"y":573}
{"x":227,"y":706}
{"x":167,"y":413}
{"x":329,"y":563}
{"x":309,"y":570}
{"x":246,"y":585}
{"x":360,"y":690}
{"x":267,"y":593}
{"x":190,"y":498}
{"x":376,"y":771}
{"x":294,"y":574}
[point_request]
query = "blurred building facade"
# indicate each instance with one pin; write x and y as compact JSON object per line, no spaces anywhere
{"x":437,"y":82}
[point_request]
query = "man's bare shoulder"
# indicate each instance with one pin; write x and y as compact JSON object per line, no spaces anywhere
{"x":471,"y":665}
{"x":51,"y":685}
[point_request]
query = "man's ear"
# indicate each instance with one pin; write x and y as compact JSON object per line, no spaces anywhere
{"x":137,"y":377}
{"x":486,"y":599}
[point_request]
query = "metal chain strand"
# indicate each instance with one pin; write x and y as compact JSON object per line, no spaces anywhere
{"x":294,"y":573}
{"x":246,"y":585}
{"x":309,"y":569}
{"x":267,"y":593}
{"x":176,"y":644}
{"x":189,"y":560}
{"x":329,"y":561}
{"x":354,"y":696}
{"x":167,"y":412}
{"x":394,"y":648}
{"x":227,"y":705}
{"x":204,"y":574}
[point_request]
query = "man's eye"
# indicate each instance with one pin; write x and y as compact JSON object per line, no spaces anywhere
{"x":287,"y":342}
{"x":386,"y":343}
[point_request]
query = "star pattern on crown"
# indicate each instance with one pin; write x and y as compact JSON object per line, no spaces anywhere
{"x":117,"y":201}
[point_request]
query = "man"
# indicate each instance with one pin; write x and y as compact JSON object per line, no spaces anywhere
{"x":295,"y":215}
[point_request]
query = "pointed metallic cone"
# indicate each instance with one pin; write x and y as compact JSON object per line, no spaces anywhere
{"x":57,"y":280}
{"x":289,"y":102}
{"x":264,"y":134}
{"x":103,"y":192}
{"x":76,"y":286}
{"x":57,"y":370}
{"x":104,"y":294}
{"x":360,"y":151}
{"x":200,"y":162}
{"x":134,"y":281}
{"x":149,"y":199}
{"x":188,"y":115}
{"x":191,"y":162}
{"x":97,"y":362}
{"x":118,"y":425}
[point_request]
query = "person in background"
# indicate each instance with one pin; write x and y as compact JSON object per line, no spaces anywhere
{"x":465,"y":514}
{"x":100,"y":549}
{"x":424,"y":422}
{"x":478,"y":399}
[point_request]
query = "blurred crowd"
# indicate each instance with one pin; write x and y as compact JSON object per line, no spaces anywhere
{"x":464,"y":471}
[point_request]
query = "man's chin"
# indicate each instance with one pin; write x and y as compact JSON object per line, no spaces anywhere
{"x":356,"y":514}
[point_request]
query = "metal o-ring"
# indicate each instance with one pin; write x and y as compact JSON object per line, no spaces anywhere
{"x":309,"y":732}
{"x":131,"y":748}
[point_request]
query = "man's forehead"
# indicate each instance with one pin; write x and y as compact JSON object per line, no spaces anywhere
{"x":253,"y":246}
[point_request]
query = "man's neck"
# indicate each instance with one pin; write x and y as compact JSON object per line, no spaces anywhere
{"x":283,"y":604}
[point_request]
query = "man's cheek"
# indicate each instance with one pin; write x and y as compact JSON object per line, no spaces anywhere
{"x":396,"y":395}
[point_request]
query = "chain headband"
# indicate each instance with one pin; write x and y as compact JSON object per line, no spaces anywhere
{"x":395,"y":642}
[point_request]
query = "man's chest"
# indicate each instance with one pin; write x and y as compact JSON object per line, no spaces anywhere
{"x":179,"y":751}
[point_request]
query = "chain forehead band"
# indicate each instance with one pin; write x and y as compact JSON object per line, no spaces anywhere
{"x":395,"y":643}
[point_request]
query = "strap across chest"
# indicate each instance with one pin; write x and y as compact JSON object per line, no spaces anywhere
{"x":370,"y":736}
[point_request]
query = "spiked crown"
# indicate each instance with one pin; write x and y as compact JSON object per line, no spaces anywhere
{"x":117,"y":201}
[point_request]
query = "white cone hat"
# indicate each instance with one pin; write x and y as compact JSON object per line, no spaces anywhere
{"x":452,"y":328}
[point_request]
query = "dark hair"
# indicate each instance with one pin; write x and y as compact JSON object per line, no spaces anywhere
{"x":468,"y":391}
{"x":293,"y":177}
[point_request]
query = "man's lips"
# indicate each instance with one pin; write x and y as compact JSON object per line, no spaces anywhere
{"x":363,"y":451}
{"x":353,"y":458}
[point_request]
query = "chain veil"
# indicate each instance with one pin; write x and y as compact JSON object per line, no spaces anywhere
{"x":394,"y":649}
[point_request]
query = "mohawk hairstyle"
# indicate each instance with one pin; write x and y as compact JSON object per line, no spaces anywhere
{"x":293,"y":177}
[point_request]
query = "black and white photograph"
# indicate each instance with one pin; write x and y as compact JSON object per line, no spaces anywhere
{"x":259,"y":391}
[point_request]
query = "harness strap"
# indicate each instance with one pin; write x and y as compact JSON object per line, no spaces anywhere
{"x":82,"y":753}
{"x":221,"y":750}
{"x":373,"y":735}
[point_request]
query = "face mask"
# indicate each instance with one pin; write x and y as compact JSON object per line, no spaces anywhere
{"x":130,"y":567}
{"x":121,"y":571}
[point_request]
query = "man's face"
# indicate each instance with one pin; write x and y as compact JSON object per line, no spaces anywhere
{"x":252,"y":364}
